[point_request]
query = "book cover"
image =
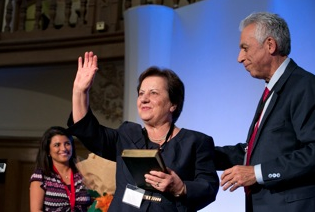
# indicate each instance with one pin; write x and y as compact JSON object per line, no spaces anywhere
{"x":141,"y":162}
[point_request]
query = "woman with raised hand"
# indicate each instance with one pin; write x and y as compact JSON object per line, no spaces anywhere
{"x":191,"y":181}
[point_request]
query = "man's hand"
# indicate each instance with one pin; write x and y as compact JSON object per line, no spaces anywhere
{"x":238,"y":176}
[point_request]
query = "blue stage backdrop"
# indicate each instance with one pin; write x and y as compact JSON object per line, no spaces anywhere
{"x":201,"y":43}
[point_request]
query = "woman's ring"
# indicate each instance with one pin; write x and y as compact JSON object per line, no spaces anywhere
{"x":157,"y":185}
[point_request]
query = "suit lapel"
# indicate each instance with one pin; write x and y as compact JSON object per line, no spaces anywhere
{"x":275,"y":95}
{"x":135,"y":134}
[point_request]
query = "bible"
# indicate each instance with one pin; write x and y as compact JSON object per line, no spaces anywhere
{"x":140,"y":162}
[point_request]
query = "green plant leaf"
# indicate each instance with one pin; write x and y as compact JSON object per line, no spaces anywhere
{"x":93,"y":193}
{"x":93,"y":209}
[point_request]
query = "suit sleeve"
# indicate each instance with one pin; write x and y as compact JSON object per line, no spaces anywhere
{"x":295,"y":137}
{"x":200,"y":177}
{"x":96,"y":138}
{"x":229,"y":156}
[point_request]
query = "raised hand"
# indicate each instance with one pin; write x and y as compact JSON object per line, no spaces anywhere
{"x":86,"y":72}
{"x":82,"y":84}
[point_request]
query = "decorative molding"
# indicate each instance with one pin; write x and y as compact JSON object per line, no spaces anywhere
{"x":107,"y":92}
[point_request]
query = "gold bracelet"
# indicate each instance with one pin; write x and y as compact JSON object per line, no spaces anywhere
{"x":182,"y":191}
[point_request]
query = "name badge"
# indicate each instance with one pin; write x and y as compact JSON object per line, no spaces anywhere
{"x":133,"y":195}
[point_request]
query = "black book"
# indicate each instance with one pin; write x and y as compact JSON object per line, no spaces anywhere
{"x":140,"y":162}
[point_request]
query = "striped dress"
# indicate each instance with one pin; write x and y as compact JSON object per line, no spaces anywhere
{"x":56,"y":198}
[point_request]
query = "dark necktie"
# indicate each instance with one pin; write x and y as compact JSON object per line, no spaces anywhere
{"x":252,"y":138}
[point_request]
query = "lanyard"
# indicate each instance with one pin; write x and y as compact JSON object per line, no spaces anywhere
{"x":71,"y":195}
{"x":167,"y":137}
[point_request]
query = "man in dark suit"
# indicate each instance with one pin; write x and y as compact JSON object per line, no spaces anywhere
{"x":276,"y":165}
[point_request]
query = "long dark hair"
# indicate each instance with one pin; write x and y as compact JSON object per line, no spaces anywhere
{"x":43,"y":160}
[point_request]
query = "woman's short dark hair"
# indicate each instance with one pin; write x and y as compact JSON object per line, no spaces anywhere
{"x":43,"y":160}
{"x":176,"y":89}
